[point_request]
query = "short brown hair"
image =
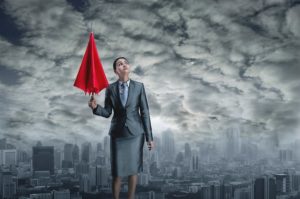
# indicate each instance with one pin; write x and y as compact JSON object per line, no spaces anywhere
{"x":115,"y":62}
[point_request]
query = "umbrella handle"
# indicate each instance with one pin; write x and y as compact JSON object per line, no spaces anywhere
{"x":92,"y":98}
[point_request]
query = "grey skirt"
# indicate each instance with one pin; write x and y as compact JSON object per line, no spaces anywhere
{"x":126,"y":155}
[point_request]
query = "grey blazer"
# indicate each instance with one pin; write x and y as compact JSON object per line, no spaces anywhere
{"x":135,"y":115}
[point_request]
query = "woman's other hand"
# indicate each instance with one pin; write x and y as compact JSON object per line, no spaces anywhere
{"x":150,"y":145}
{"x":92,"y":103}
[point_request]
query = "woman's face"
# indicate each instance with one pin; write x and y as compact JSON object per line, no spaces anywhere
{"x":122,"y":67}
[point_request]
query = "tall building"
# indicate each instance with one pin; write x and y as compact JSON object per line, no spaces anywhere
{"x":264,"y":187}
{"x":143,"y":179}
{"x":282,"y":184}
{"x":187,"y":150}
{"x":8,"y":186}
{"x":22,"y":156}
{"x":205,"y":192}
{"x":2,"y":143}
{"x":194,"y":161}
{"x":168,"y":145}
{"x":68,"y":156}
{"x":57,"y":159}
{"x":8,"y":157}
{"x":68,"y":150}
{"x":92,"y":176}
{"x":296,"y":182}
{"x":259,"y":188}
{"x":106,"y":142}
{"x":100,"y":159}
{"x":43,"y":158}
{"x":232,"y":142}
{"x":84,"y":183}
{"x":81,"y":168}
{"x":75,"y":154}
{"x":271,"y":187}
{"x":86,"y":150}
{"x":102,"y":176}
{"x":157,"y":141}
{"x":285,"y":155}
{"x":99,"y":147}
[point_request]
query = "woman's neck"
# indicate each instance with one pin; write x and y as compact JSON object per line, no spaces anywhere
{"x":124,"y":79}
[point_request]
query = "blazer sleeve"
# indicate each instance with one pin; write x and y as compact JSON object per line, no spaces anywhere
{"x":144,"y":109}
{"x":107,"y":109}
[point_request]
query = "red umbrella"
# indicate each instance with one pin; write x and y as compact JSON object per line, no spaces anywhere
{"x":91,"y":77}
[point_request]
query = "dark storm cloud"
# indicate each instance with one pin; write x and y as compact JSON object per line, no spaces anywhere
{"x":9,"y":29}
{"x":10,"y":76}
{"x":206,"y":65}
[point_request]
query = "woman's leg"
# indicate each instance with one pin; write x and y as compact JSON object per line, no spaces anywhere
{"x":116,"y":187}
{"x":132,"y":180}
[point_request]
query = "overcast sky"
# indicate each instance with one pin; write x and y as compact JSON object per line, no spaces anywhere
{"x":206,"y":65}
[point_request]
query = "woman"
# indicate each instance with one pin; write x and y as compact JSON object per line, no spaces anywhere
{"x":130,"y":126}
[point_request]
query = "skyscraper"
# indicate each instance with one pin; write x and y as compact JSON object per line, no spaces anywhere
{"x":259,"y":188}
{"x":86,"y":150}
{"x":68,"y":156}
{"x":168,"y":145}
{"x":68,"y":149}
{"x":106,"y":146}
{"x":282,"y":183}
{"x":102,"y":176}
{"x":43,"y":158}
{"x":8,"y":157}
{"x":57,"y":158}
{"x":194,"y":161}
{"x":8,"y":186}
{"x":232,"y":142}
{"x":75,"y":154}
{"x":3,"y":143}
{"x":99,"y":147}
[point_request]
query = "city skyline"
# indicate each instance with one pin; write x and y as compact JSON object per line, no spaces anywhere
{"x":193,"y":171}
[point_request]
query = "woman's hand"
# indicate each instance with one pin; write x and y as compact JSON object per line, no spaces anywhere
{"x":92,"y":103}
{"x":150,"y":145}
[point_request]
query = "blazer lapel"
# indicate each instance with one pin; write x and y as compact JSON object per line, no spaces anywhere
{"x":117,"y":93}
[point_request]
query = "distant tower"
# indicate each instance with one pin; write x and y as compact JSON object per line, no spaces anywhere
{"x":168,"y":145}
{"x":187,"y":154}
{"x":99,"y":147}
{"x":232,"y":142}
{"x":3,"y":143}
{"x":264,"y":187}
{"x":43,"y":158}
{"x":187,"y":150}
{"x":106,"y":146}
{"x":68,"y":148}
{"x":283,"y":183}
{"x":86,"y":150}
{"x":68,"y":159}
{"x":8,"y":185}
{"x":75,"y":154}
{"x":57,"y":158}
{"x":8,"y":157}
{"x":194,"y":161}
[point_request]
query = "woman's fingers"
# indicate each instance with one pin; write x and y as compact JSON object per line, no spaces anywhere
{"x":150,"y":145}
{"x":92,"y":103}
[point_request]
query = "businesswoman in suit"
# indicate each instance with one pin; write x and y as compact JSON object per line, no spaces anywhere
{"x":129,"y":128}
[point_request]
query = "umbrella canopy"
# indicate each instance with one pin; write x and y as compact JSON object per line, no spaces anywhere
{"x":91,"y":77}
